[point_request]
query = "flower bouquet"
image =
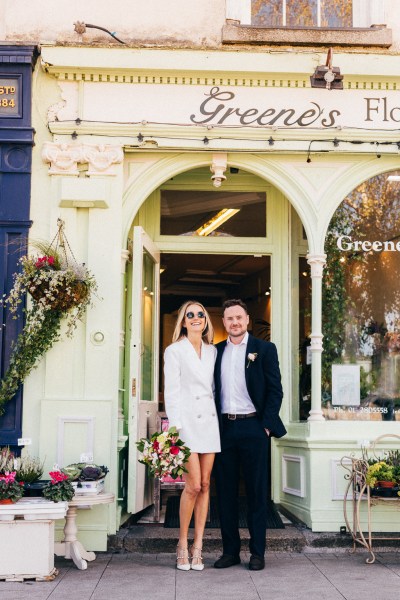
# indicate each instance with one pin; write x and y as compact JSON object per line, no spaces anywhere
{"x":164,"y":453}
{"x":59,"y":488}
{"x":60,"y":288}
{"x":10,"y":489}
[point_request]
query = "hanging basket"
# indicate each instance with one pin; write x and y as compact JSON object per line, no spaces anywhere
{"x":66,"y":298}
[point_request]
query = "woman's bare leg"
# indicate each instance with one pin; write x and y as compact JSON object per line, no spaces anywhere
{"x":188,"y":497}
{"x":201,"y":506}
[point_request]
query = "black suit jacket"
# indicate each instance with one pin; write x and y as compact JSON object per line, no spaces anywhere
{"x":263,"y":380}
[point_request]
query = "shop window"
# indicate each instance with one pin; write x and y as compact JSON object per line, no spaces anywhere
{"x":205,"y":214}
{"x":307,"y":22}
{"x":361,"y":305}
{"x":302,"y":13}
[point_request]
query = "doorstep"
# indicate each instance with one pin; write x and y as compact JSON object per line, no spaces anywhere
{"x":155,"y":539}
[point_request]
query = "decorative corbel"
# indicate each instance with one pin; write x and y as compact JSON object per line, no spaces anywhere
{"x":63,"y":158}
{"x":218,"y":168}
{"x":102,"y":158}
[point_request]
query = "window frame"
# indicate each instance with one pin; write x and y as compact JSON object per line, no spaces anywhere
{"x":363,"y":16}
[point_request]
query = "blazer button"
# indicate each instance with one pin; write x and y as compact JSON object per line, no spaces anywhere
{"x":213,"y":415}
{"x":199,"y":416}
{"x":197,"y":397}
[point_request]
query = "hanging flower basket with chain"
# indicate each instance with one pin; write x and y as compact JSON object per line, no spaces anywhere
{"x":60,"y":288}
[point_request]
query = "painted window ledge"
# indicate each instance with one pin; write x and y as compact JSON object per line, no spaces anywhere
{"x":376,"y":35}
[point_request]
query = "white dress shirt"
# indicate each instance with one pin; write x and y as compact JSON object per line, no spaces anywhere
{"x":235,"y":398}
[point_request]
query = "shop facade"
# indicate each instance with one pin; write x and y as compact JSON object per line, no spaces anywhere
{"x":141,"y":150}
{"x":16,"y":141}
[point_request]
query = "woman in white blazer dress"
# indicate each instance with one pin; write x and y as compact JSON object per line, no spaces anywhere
{"x":190,"y":407}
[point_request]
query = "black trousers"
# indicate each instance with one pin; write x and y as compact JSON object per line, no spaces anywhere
{"x":244,"y":443}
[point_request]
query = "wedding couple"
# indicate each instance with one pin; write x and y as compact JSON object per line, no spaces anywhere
{"x":233,"y":427}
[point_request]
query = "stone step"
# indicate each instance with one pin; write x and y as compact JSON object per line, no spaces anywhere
{"x":153,"y":539}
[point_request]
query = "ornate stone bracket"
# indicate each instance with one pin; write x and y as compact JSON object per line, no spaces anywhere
{"x":64,"y":158}
{"x":218,"y":168}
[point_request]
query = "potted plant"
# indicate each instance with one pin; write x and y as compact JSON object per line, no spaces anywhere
{"x":86,"y":478}
{"x":59,"y":487}
{"x":10,"y":489}
{"x":380,"y":476}
{"x":60,"y":288}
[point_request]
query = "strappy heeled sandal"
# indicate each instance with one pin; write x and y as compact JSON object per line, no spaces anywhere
{"x":197,"y":559}
{"x":182,"y":559}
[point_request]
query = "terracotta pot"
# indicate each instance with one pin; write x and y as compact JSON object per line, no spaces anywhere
{"x":6,"y":501}
{"x":385,"y":484}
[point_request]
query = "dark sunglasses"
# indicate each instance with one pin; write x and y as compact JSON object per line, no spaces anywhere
{"x":191,"y":314}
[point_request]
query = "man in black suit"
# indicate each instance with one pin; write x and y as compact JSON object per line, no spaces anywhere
{"x":248,"y":396}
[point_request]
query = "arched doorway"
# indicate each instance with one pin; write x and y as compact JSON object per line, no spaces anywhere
{"x":255,"y":253}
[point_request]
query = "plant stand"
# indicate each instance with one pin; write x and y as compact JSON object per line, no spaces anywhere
{"x":359,"y":491}
{"x":27,"y":539}
{"x":71,"y":547}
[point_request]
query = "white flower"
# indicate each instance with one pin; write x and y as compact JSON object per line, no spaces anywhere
{"x":251,"y":357}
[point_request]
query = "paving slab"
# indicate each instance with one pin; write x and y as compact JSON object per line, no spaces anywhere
{"x":287,"y":576}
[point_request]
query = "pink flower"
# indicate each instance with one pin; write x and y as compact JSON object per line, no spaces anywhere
{"x":174,"y":450}
{"x":57,"y":477}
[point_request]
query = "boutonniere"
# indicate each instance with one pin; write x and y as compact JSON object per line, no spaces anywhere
{"x":251,"y":358}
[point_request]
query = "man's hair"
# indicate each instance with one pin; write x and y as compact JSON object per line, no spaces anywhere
{"x":234,"y":302}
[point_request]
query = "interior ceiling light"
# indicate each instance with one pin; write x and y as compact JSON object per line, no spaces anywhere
{"x":326,"y":76}
{"x":393,"y":178}
{"x":224,"y":215}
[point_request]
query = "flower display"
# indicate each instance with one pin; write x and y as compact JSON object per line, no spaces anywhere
{"x":251,"y":357}
{"x":59,"y":487}
{"x":164,"y":453}
{"x":10,"y":489}
{"x":60,"y":289}
{"x":379,"y":471}
{"x":85,"y":472}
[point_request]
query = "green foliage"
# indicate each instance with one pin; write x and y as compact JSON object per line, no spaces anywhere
{"x":59,"y":491}
{"x":379,"y":471}
{"x":31,"y":345}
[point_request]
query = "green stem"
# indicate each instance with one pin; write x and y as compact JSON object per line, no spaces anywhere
{"x":28,"y":351}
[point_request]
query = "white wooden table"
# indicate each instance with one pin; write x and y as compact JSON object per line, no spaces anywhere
{"x":71,"y":547}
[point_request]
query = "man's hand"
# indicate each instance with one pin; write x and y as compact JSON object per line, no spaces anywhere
{"x":267,"y":431}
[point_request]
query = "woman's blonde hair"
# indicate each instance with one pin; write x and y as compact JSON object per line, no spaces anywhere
{"x":180,"y":330}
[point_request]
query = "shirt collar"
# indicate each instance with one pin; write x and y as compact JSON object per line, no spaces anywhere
{"x":243,"y":342}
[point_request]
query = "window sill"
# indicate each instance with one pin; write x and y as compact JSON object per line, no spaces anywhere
{"x":377,"y":35}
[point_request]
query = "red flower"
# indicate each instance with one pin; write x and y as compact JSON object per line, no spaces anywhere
{"x":174,"y":450}
{"x":44,"y":260}
{"x":156,"y":445}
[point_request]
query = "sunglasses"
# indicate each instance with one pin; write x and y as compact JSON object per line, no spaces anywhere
{"x":191,"y":314}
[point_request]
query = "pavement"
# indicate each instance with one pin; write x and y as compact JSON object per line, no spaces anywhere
{"x":313,"y":575}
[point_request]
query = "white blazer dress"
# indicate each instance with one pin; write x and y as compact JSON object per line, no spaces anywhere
{"x":189,"y":395}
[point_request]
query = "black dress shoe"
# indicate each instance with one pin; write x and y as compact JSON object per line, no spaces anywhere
{"x":257,"y":563}
{"x":226,"y":560}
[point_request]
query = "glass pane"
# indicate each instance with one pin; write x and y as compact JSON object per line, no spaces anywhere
{"x":336,"y":13}
{"x":238,"y":214}
{"x":304,"y":338}
{"x":147,"y":373}
{"x":361,"y":305}
{"x":301,"y":13}
{"x":266,"y":14}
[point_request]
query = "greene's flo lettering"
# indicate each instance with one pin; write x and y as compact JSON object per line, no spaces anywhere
{"x":380,"y":108}
{"x":345,"y":243}
{"x":215,"y":109}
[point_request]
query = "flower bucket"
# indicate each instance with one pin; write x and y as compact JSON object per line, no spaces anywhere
{"x":6,"y":501}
